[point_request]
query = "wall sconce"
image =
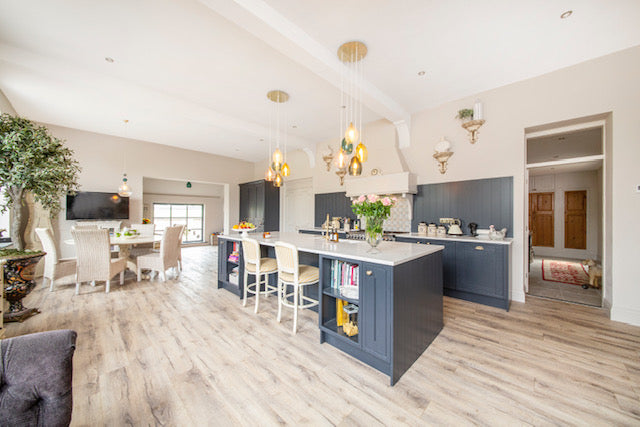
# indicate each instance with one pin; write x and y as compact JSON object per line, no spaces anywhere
{"x":474,"y":125}
{"x":442,"y":154}
{"x":328,"y":158}
{"x":341,"y":173}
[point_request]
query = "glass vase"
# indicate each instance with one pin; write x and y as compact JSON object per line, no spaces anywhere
{"x":373,"y":232}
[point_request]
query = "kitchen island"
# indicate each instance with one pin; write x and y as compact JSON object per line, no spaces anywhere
{"x":399,"y":296}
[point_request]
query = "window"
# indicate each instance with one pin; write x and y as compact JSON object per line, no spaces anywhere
{"x":168,"y":214}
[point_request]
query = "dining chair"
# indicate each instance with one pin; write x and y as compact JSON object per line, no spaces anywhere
{"x":164,"y":259}
{"x":94,"y":257}
{"x":184,"y":227}
{"x":292,"y":273}
{"x":61,"y":271}
{"x":146,"y":230}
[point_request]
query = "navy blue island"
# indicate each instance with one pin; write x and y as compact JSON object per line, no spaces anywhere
{"x":398,"y":294}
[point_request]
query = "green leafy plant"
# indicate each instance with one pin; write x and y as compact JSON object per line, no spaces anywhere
{"x":373,"y":207}
{"x":31,"y":160}
{"x":464,"y":114}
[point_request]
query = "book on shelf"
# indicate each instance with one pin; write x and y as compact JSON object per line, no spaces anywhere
{"x":344,"y":275}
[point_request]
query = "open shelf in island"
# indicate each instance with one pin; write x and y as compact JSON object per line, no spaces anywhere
{"x":399,"y":296}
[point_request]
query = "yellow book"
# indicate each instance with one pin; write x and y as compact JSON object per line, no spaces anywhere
{"x":341,"y":316}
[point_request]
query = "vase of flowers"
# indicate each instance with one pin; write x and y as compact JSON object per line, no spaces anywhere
{"x":374,"y":209}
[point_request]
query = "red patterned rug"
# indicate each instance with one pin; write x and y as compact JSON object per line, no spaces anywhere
{"x":572,"y":273}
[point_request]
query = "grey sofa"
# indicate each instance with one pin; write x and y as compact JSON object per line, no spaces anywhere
{"x":35,"y":379}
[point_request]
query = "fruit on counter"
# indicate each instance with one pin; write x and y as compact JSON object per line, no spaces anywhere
{"x":244,"y":225}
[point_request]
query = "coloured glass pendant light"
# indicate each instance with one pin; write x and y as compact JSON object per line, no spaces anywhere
{"x":351,"y":54}
{"x":277,"y":182}
{"x":278,"y":166}
{"x":355,"y":167}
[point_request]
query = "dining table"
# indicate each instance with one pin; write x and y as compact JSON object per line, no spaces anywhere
{"x":125,"y":243}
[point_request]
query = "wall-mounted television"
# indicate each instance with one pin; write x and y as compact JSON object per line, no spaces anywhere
{"x":95,"y":205}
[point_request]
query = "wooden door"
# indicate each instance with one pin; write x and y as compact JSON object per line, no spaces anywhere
{"x":541,"y":221}
{"x":575,"y":219}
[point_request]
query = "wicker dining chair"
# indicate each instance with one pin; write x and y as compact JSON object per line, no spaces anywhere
{"x":94,"y":257}
{"x":166,"y":258}
{"x":60,"y":271}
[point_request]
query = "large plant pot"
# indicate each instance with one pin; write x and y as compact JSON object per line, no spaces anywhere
{"x":19,"y":273}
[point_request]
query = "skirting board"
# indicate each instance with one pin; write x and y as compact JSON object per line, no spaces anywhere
{"x":626,"y":315}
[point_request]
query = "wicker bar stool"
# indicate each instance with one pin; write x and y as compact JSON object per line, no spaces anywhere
{"x":291,"y":273}
{"x":260,"y":267}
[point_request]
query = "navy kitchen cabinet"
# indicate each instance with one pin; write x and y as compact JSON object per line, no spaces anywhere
{"x":376,"y":295}
{"x":260,"y":204}
{"x":476,"y":271}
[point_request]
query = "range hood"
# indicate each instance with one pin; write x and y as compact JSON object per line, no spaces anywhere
{"x":397,"y":183}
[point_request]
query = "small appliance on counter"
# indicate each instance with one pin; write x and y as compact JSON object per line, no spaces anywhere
{"x":473,"y":229}
{"x":454,"y":228}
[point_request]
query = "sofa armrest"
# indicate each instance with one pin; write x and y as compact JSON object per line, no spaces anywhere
{"x":36,"y":378}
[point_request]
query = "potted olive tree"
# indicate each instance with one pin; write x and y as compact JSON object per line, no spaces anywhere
{"x":31,"y":161}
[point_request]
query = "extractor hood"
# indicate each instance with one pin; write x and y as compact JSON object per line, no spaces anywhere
{"x":397,"y":183}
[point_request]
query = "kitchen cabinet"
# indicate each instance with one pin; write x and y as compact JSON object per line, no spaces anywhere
{"x":376,"y":295}
{"x":476,"y":271}
{"x":260,"y":204}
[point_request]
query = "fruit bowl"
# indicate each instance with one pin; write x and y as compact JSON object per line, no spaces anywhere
{"x":244,"y":228}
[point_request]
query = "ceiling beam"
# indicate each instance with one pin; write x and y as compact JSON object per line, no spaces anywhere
{"x":266,"y":23}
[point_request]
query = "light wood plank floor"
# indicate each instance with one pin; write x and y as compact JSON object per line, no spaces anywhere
{"x":186,"y":353}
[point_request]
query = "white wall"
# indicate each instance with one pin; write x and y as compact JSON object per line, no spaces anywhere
{"x":605,"y":87}
{"x":100,"y":157}
{"x":5,"y":105}
{"x":559,"y":183}
{"x":209,"y":195}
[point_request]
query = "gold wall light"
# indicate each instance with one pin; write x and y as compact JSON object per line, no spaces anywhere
{"x":442,"y":154}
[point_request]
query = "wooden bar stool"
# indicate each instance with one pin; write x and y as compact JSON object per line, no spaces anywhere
{"x":291,"y":273}
{"x":260,"y":268}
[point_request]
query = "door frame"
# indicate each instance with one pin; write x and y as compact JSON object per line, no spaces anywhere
{"x":537,"y":131}
{"x":306,"y":182}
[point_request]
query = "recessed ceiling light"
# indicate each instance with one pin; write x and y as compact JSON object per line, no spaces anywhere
{"x":261,"y":139}
{"x":108,"y":59}
{"x":294,"y":126}
{"x":422,"y":73}
{"x":566,"y":14}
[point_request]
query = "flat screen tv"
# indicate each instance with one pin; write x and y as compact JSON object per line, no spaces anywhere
{"x":94,"y":205}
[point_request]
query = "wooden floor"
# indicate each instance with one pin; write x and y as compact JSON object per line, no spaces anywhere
{"x":186,"y":353}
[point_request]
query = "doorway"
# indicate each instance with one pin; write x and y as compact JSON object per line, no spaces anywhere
{"x":565,"y":209}
{"x":297,"y":205}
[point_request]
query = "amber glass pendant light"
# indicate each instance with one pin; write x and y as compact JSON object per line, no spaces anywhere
{"x":279,"y":167}
{"x":355,"y":167}
{"x":351,"y":54}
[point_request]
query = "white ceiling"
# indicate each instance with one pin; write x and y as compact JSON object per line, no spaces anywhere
{"x":194,"y":74}
{"x":567,"y":145}
{"x":589,"y":165}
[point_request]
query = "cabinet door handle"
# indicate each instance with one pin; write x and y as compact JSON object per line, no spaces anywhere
{"x":479,"y":248}
{"x":369,"y":272}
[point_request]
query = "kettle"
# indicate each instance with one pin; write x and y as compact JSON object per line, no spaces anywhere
{"x":454,"y":228}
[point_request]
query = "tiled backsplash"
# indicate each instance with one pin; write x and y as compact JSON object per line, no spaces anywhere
{"x":400,"y":219}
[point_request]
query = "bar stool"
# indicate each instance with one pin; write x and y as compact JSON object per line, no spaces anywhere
{"x":260,"y":268}
{"x":291,"y":273}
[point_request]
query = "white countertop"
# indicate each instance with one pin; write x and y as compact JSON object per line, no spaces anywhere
{"x":390,"y":253}
{"x":506,"y":241}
